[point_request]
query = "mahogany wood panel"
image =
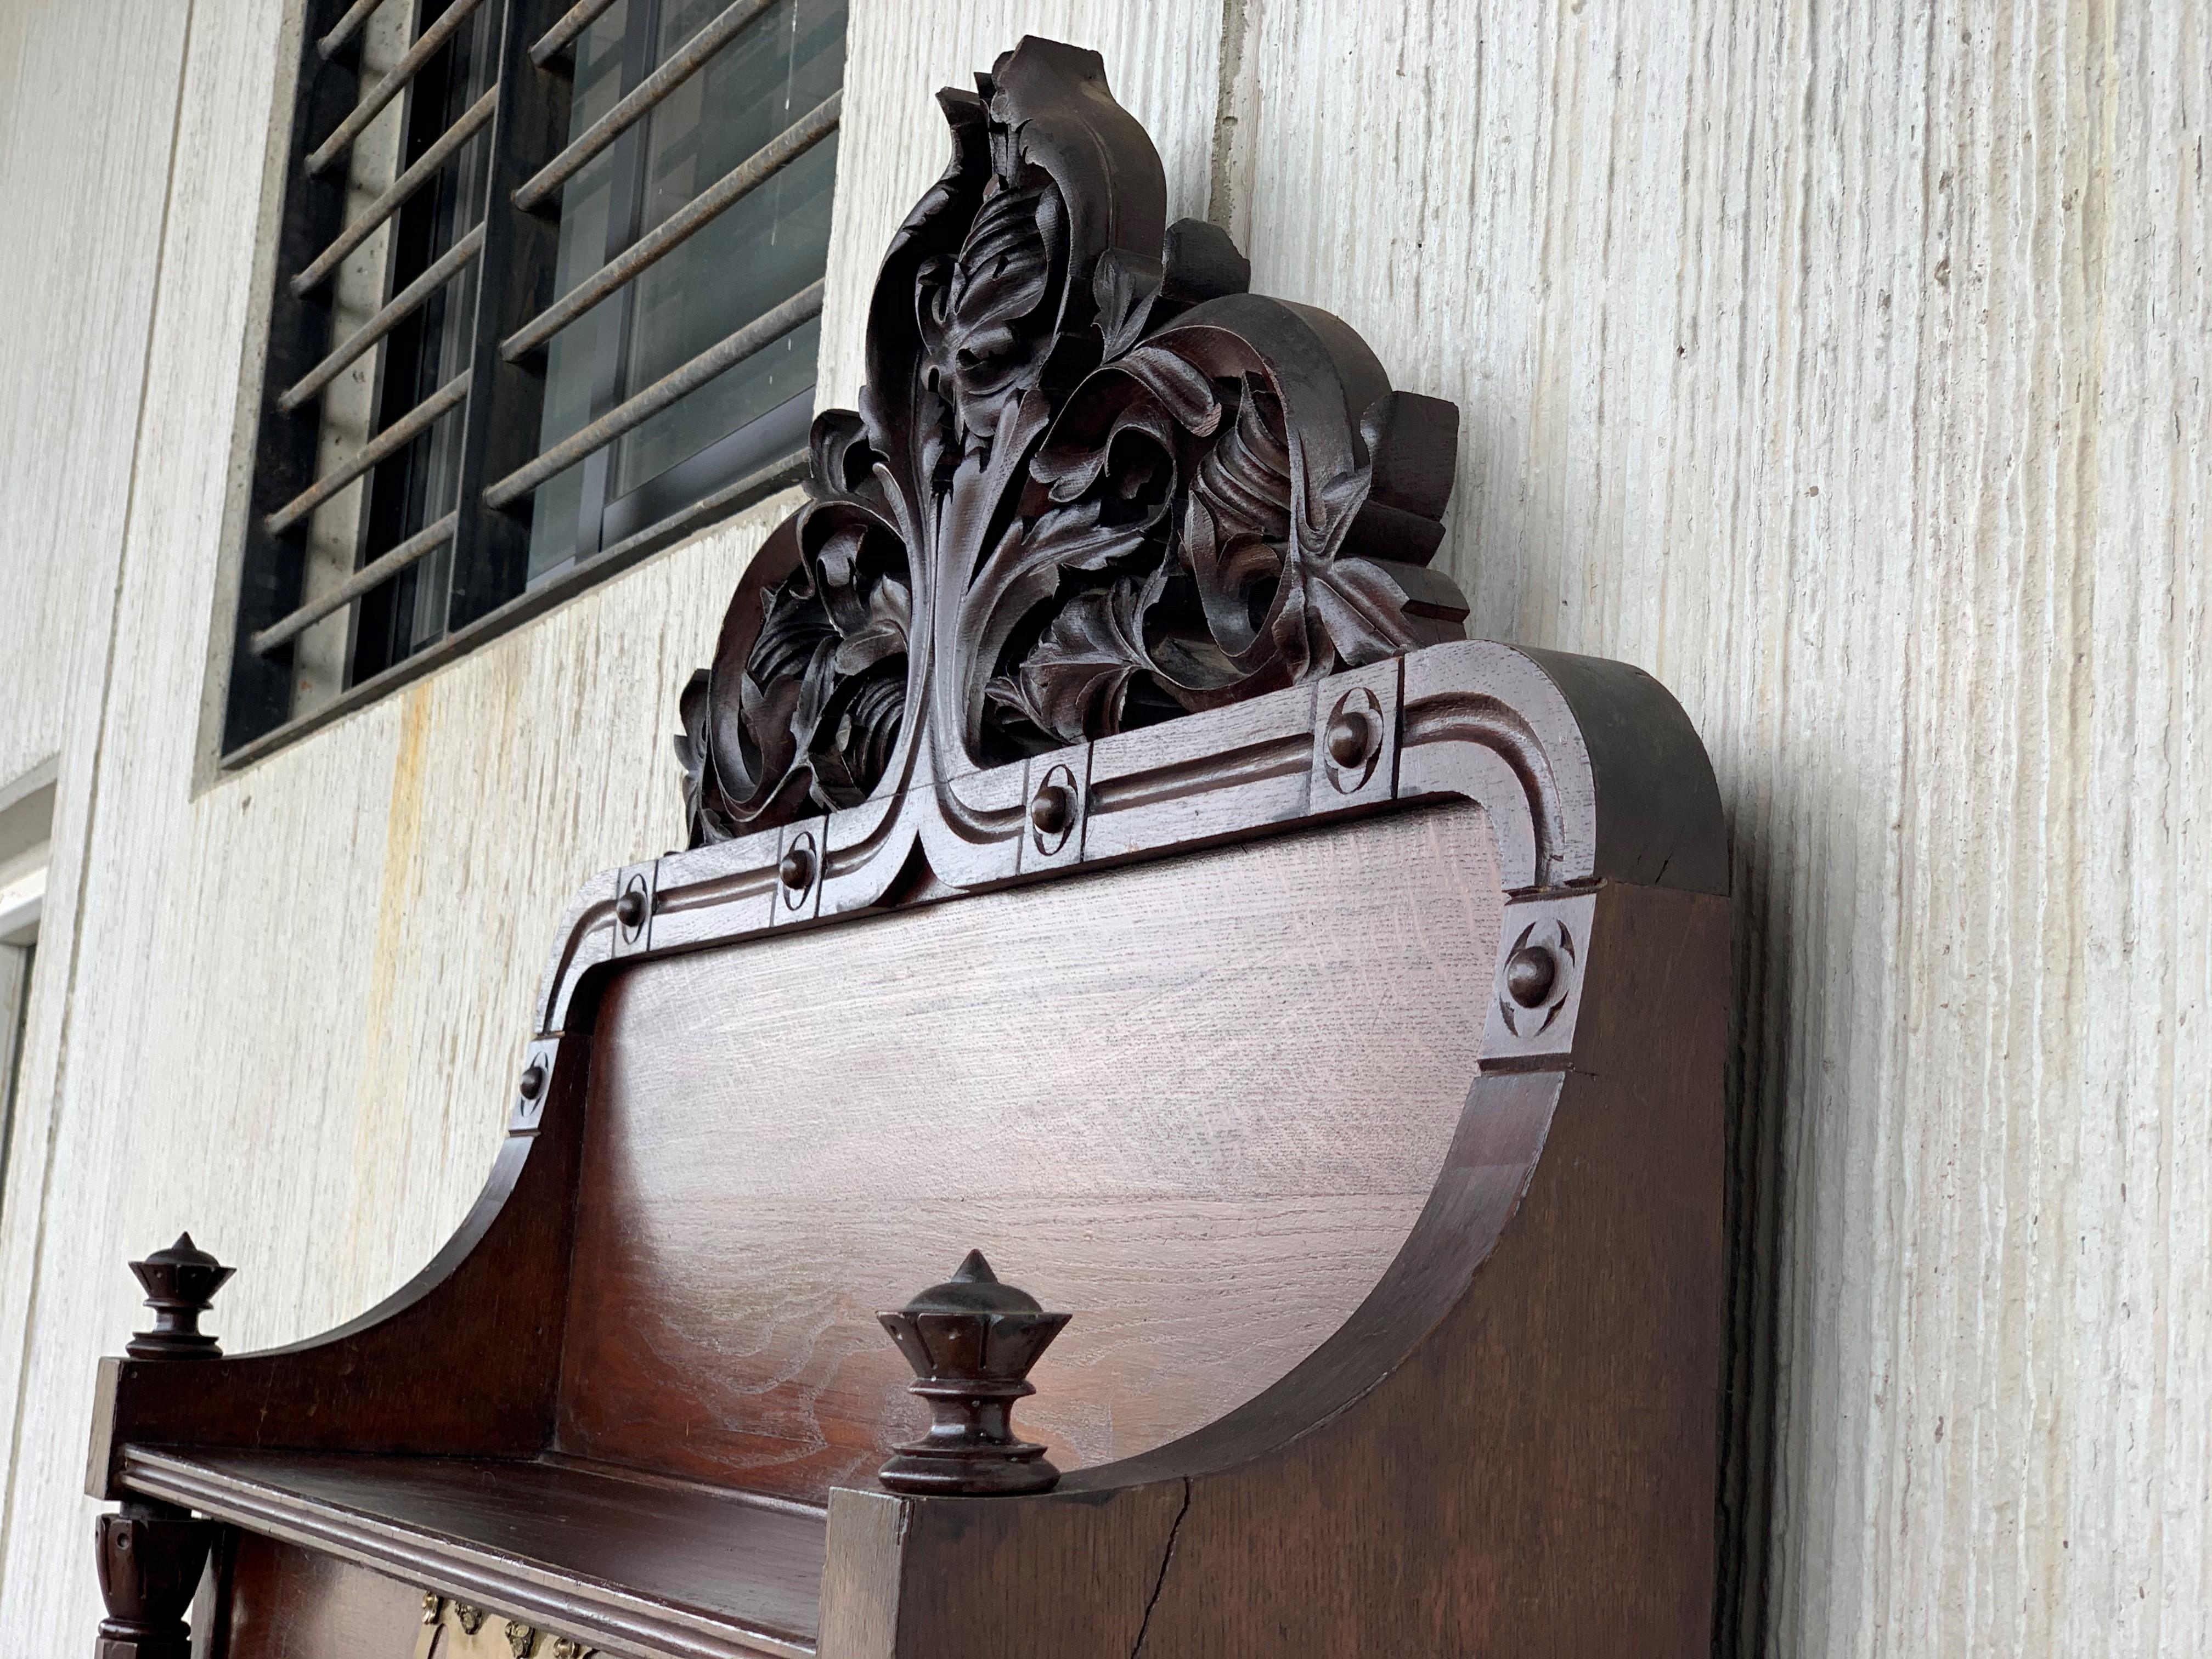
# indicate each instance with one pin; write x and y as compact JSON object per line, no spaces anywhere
{"x":1532,"y":1476}
{"x":286,"y":1602}
{"x":1198,"y":1104}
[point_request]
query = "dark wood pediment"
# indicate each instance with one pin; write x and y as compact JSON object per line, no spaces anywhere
{"x":1093,"y":485}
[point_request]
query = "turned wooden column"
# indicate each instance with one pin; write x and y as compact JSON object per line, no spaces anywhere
{"x":151,"y":1559}
{"x":151,"y":1554}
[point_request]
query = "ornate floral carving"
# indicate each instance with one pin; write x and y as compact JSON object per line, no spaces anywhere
{"x":1092,"y":483}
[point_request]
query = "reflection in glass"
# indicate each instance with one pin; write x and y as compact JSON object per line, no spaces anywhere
{"x":744,"y":262}
{"x":749,"y":260}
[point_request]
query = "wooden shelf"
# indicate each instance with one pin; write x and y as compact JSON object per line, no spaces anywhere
{"x":627,"y":1563}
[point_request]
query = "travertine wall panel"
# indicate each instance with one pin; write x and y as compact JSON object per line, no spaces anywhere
{"x":1846,"y":367}
{"x":83,"y":200}
{"x":88,"y":100}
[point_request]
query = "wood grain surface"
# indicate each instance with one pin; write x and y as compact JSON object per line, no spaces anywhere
{"x":286,"y":1602}
{"x":1198,"y":1105}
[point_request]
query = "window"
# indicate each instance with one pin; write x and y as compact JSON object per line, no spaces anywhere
{"x":26,"y":824}
{"x":546,"y":296}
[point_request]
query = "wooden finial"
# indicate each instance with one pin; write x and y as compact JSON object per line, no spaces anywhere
{"x":971,"y":1341}
{"x":181,"y":1286}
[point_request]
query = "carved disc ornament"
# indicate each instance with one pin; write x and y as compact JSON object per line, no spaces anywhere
{"x":1093,"y":483}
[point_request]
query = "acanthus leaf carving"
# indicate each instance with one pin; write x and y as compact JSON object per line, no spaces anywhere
{"x":1093,"y":482}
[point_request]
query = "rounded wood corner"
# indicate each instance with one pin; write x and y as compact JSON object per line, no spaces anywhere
{"x":488,"y":1305}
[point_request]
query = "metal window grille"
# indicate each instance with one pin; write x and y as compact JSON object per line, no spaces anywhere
{"x":545,"y":300}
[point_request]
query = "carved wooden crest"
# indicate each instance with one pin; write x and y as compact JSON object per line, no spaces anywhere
{"x":1093,"y":483}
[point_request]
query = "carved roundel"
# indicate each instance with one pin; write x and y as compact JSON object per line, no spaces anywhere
{"x":1353,"y":739}
{"x":1053,"y":810}
{"x":1092,"y":483}
{"x":532,"y":1085}
{"x":795,"y":872}
{"x":633,"y":906}
{"x":1539,"y":972}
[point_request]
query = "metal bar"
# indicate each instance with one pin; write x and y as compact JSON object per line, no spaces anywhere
{"x":346,"y":27}
{"x":398,"y":191}
{"x":401,"y":306}
{"x":499,"y":427}
{"x":531,"y":602}
{"x":390,"y":87}
{"x":408,"y":427}
{"x":680,"y":68}
{"x":377,"y":571}
{"x":635,"y":411}
{"x":284,"y":448}
{"x":557,"y":40}
{"x":740,"y":181}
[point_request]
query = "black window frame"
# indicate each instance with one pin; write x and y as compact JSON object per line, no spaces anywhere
{"x":475,"y":559}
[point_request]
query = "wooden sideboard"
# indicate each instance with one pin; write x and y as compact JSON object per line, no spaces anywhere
{"x":1105,"y":854}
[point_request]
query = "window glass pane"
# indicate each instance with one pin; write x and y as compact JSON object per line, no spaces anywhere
{"x":587,"y":203}
{"x":754,"y":255}
{"x":16,"y":961}
{"x":462,"y":209}
{"x":422,"y":483}
{"x":753,"y":258}
{"x":783,"y":63}
{"x":744,"y":262}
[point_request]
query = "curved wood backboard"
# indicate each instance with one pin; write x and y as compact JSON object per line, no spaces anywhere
{"x":1197,"y":1104}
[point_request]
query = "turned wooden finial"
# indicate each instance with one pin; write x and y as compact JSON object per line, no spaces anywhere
{"x":181,"y":1286}
{"x":971,"y":1341}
